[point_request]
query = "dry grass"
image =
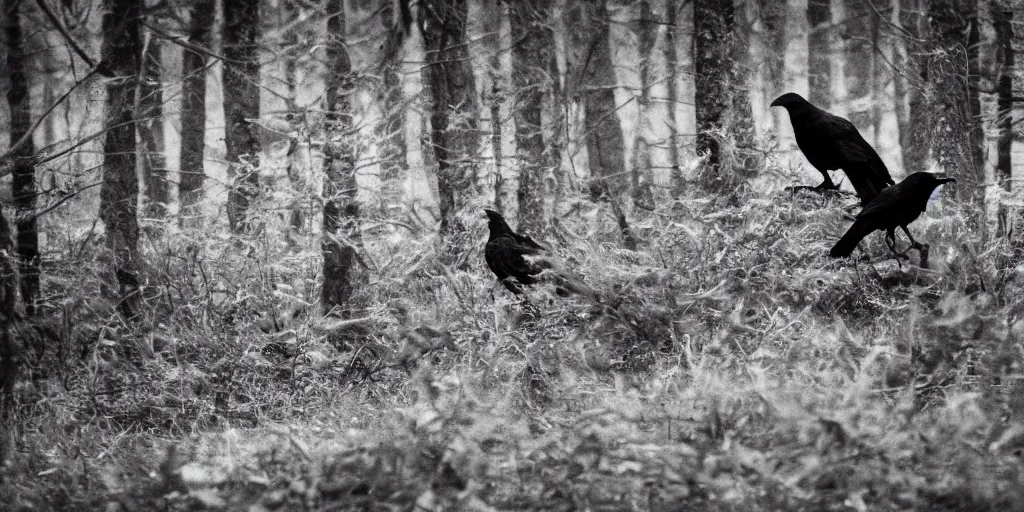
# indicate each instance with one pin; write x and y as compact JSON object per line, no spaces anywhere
{"x":730,"y":366}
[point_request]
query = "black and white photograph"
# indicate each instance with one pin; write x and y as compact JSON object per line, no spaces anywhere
{"x":512,"y":255}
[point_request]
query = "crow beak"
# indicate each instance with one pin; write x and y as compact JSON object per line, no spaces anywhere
{"x":776,"y":103}
{"x":947,"y":180}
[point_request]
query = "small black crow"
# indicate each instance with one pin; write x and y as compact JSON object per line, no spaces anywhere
{"x":518,"y":260}
{"x":830,"y":143}
{"x":895,"y":207}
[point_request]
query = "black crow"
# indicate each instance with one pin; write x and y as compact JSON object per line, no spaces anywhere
{"x":518,"y":260}
{"x":895,"y":207}
{"x":830,"y":143}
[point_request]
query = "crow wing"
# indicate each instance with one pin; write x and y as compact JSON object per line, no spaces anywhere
{"x":506,"y":257}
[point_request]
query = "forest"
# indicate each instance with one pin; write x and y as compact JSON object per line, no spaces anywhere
{"x":482,"y":255}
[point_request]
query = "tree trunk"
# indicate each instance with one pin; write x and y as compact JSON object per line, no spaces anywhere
{"x":530,"y":53}
{"x":819,"y":18}
{"x":956,"y":139}
{"x":596,"y":82}
{"x":501,"y":142}
{"x":1002,"y":18}
{"x":420,"y":188}
{"x":193,"y":109}
{"x":23,"y":173}
{"x":10,"y":350}
{"x":151,"y":131}
{"x":395,"y":19}
{"x":837,"y":58}
{"x":674,"y":97}
{"x":454,"y":111}
{"x":241,"y":105}
{"x":645,"y":144}
{"x":917,"y":146}
{"x":341,"y":212}
{"x":716,"y":76}
{"x":796,"y":59}
{"x":122,"y":49}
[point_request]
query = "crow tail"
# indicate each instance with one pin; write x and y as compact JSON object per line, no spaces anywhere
{"x":844,"y":247}
{"x":566,"y":283}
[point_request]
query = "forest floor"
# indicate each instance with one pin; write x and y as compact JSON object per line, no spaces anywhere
{"x":731,"y":365}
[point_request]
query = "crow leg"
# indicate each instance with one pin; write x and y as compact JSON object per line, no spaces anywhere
{"x":890,"y":241}
{"x":914,"y":244}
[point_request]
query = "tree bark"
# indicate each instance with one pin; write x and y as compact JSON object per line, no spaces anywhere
{"x":596,"y":82}
{"x":193,"y":109}
{"x":122,"y":49}
{"x":151,"y":131}
{"x":530,"y":53}
{"x":454,"y":107}
{"x":10,"y":350}
{"x":395,"y":19}
{"x":23,"y":172}
{"x":717,"y":78}
{"x":1002,"y":18}
{"x":676,"y":178}
{"x":796,"y":59}
{"x":837,"y":58}
{"x":645,"y":143}
{"x":241,"y":104}
{"x":820,"y":62}
{"x":341,"y":212}
{"x":957,"y":140}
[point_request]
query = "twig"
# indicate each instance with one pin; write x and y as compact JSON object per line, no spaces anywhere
{"x":100,"y":68}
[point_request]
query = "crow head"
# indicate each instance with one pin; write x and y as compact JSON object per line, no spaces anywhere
{"x":496,"y":223}
{"x":789,"y":100}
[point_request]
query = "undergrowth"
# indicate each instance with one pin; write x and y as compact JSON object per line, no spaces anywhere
{"x":729,"y":365}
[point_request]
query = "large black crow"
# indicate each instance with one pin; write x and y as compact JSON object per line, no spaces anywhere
{"x":830,"y":143}
{"x":518,"y":260}
{"x":895,"y":207}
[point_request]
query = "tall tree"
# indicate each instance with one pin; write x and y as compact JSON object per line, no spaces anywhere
{"x":340,"y":228}
{"x":395,"y":18}
{"x":193,"y":106}
{"x":530,"y":55}
{"x":23,"y":172}
{"x":119,"y":194}
{"x":819,"y":18}
{"x":10,"y":351}
{"x":837,"y":58}
{"x":595,"y":84}
{"x":241,"y":105}
{"x":454,"y":110}
{"x":151,"y":130}
{"x":716,"y":79}
{"x":958,"y":143}
{"x":1002,"y":17}
{"x":646,"y":146}
{"x":795,"y":62}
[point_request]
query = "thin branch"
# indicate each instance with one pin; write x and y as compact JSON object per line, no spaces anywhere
{"x":39,"y":213}
{"x":100,"y":67}
{"x":28,"y":135}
